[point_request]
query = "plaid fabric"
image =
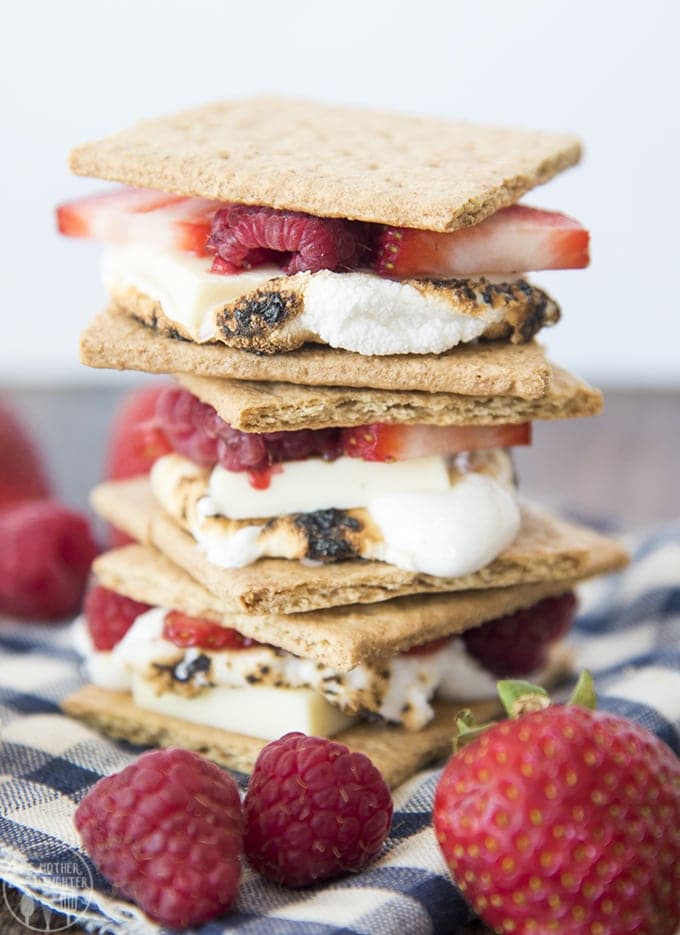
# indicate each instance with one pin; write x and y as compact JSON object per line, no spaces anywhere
{"x":628,"y":634}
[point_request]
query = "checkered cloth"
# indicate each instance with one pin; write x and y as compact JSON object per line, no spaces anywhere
{"x":628,"y":634}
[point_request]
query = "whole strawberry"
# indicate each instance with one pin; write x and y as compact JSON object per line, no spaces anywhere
{"x":314,"y":810}
{"x":22,"y":475}
{"x":564,"y":820}
{"x":136,"y":439}
{"x":167,"y":833}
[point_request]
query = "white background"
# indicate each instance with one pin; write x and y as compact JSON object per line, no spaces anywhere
{"x":73,"y":70}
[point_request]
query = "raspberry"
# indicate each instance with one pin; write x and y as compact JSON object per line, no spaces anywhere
{"x":45,"y":557}
{"x":21,"y":474}
{"x":244,"y":236}
{"x":304,"y":443}
{"x":196,"y":431}
{"x":136,"y":439}
{"x":190,"y":425}
{"x":109,"y":616}
{"x":167,"y":832}
{"x":314,"y":810}
{"x":185,"y":631}
{"x":517,"y":644}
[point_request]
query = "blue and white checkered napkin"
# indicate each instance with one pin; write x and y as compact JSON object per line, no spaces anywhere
{"x":628,"y":634}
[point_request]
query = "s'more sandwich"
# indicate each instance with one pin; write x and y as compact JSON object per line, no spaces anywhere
{"x":331,"y":538}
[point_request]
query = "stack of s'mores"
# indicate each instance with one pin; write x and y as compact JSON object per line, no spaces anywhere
{"x":333,"y":540}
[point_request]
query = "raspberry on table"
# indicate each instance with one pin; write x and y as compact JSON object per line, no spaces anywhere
{"x":167,"y":832}
{"x":518,"y":643}
{"x":45,"y":555}
{"x":109,"y":615}
{"x":314,"y":810}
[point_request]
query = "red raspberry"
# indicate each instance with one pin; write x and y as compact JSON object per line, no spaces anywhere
{"x":110,"y":615}
{"x":189,"y":425}
{"x":45,"y":557}
{"x":22,"y":476}
{"x":244,"y":236}
{"x":314,"y":810}
{"x":196,"y":431}
{"x":517,"y":644}
{"x":167,"y":832}
{"x":136,"y":439}
{"x":185,"y":631}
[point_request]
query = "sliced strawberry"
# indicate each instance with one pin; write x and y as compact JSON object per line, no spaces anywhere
{"x":423,"y":649}
{"x":382,"y":442}
{"x":513,"y":240}
{"x":185,"y":631}
{"x":109,"y":615}
{"x":140,"y":215}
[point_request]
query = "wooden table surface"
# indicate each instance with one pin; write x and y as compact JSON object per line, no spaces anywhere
{"x":623,"y":466}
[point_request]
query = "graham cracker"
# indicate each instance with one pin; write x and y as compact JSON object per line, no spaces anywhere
{"x":546,"y":549}
{"x":266,"y":406}
{"x":341,"y":637}
{"x":332,"y":161}
{"x":115,"y":341}
{"x":398,"y":753}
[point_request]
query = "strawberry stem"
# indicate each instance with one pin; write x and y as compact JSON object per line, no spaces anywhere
{"x":519,"y":697}
{"x":467,"y":729}
{"x":584,"y":691}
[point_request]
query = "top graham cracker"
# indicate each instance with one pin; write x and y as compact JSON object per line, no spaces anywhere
{"x":333,"y":161}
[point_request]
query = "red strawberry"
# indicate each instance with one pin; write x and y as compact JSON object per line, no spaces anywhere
{"x":109,"y":616}
{"x":186,"y":631}
{"x":140,"y":215}
{"x":422,"y":649}
{"x":22,"y":476}
{"x":45,"y":557}
{"x":244,"y":236}
{"x":136,"y":439}
{"x":513,"y":240}
{"x":564,"y":820}
{"x":383,"y":442}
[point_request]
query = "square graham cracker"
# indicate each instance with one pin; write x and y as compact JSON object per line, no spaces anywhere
{"x":341,"y":637}
{"x":116,"y":341}
{"x":333,"y":161}
{"x":265,"y":407}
